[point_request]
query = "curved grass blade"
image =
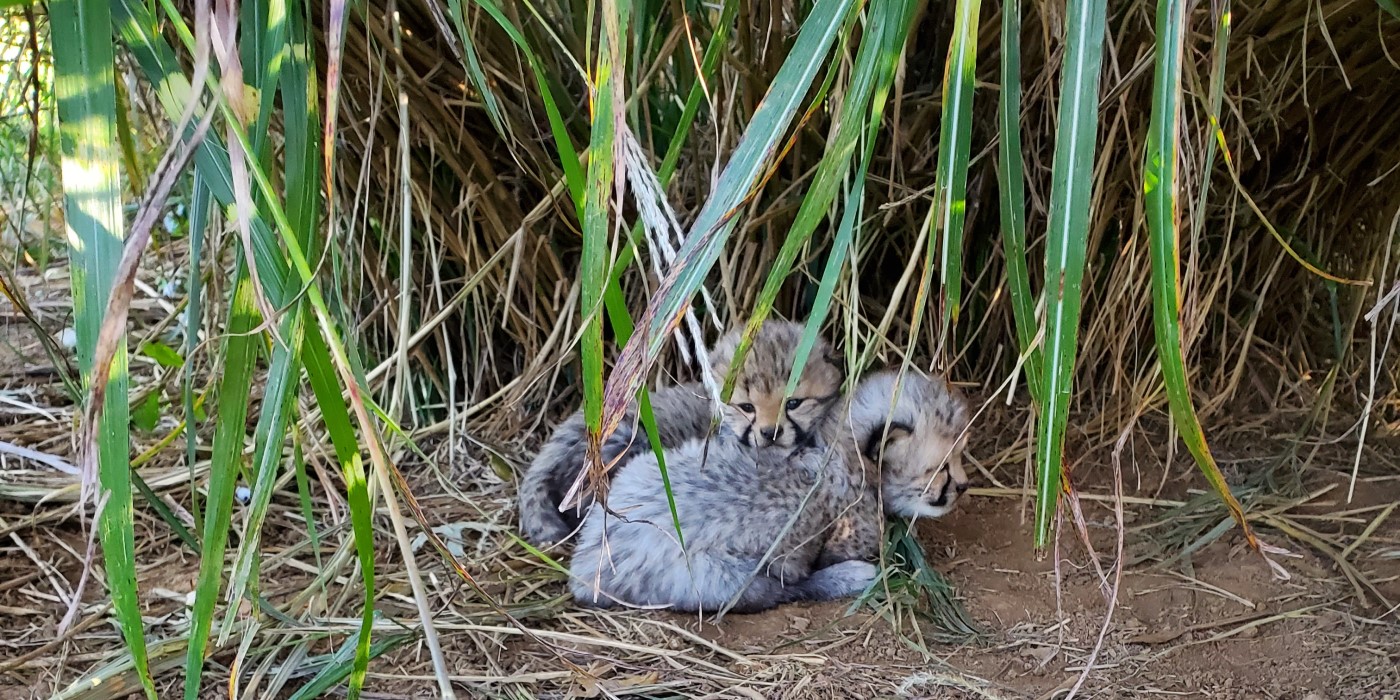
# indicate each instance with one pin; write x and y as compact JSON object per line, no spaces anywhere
{"x":895,"y":19}
{"x":1071,"y":187}
{"x":85,"y":91}
{"x":1011,"y":179}
{"x":954,"y":150}
{"x":568,"y":155}
{"x":883,"y":27}
{"x":472,"y":61}
{"x":321,"y":375}
{"x":715,"y":220}
{"x":324,"y":356}
{"x":1159,"y":189}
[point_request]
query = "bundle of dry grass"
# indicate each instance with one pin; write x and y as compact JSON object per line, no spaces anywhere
{"x":1310,"y":116}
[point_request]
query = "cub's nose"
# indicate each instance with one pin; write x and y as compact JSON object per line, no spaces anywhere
{"x":771,"y":433}
{"x":962,"y":487}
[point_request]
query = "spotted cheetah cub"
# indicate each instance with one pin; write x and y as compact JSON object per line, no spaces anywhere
{"x":756,"y":413}
{"x":734,"y":503}
{"x":917,"y":463}
{"x":740,"y":502}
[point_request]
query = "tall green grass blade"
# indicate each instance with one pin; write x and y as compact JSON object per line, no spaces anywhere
{"x":1071,"y":186}
{"x":85,"y":91}
{"x":954,"y":150}
{"x":279,"y":401}
{"x":893,"y":19}
{"x":716,"y":218}
{"x":240,"y":357}
{"x":1391,"y":7}
{"x":200,"y":211}
{"x":1011,"y":178}
{"x":323,"y":354}
{"x":472,"y":62}
{"x":1217,"y":99}
{"x":1159,"y":189}
{"x":593,"y":265}
{"x":714,"y":50}
{"x":882,"y":29}
{"x":322,"y":375}
{"x":568,"y":155}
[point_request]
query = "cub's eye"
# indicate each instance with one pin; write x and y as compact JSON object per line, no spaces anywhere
{"x":792,"y":404}
{"x":745,"y":407}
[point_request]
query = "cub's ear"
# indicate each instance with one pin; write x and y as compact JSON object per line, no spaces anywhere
{"x":879,"y":438}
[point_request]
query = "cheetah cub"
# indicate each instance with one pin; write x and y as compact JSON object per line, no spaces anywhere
{"x":916,"y":465}
{"x":734,"y":502}
{"x":734,"y":508}
{"x":756,"y":413}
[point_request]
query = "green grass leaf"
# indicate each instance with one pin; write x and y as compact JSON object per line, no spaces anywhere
{"x":880,"y":31}
{"x":737,"y":183}
{"x":1160,"y":190}
{"x":1011,"y":179}
{"x":601,"y":185}
{"x":146,"y":414}
{"x":163,"y":354}
{"x":954,"y":150}
{"x":85,"y":91}
{"x":1072,"y":176}
{"x":240,"y":357}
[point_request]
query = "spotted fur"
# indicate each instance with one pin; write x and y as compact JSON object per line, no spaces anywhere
{"x":757,"y":414}
{"x":736,"y":506}
{"x":918,"y":461}
{"x":734,"y":502}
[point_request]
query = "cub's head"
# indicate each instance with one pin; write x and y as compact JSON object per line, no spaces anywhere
{"x":920,"y":457}
{"x":757,"y":411}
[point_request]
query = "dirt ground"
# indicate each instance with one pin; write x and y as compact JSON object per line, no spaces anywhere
{"x":1217,"y":624}
{"x":1214,"y":624}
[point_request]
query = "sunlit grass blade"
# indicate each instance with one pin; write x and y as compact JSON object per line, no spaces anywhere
{"x":715,"y":220}
{"x":593,"y":264}
{"x":1011,"y":180}
{"x":894,"y":20}
{"x":954,"y":149}
{"x":85,"y":91}
{"x":321,"y":375}
{"x":323,"y":354}
{"x":1071,"y":186}
{"x":239,"y":362}
{"x":1159,"y":189}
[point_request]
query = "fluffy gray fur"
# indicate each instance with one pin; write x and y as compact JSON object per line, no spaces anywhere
{"x":916,"y":464}
{"x":734,"y":502}
{"x":682,"y":412}
{"x":758,"y":413}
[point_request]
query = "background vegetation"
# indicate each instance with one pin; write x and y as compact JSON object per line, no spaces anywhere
{"x":344,"y":236}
